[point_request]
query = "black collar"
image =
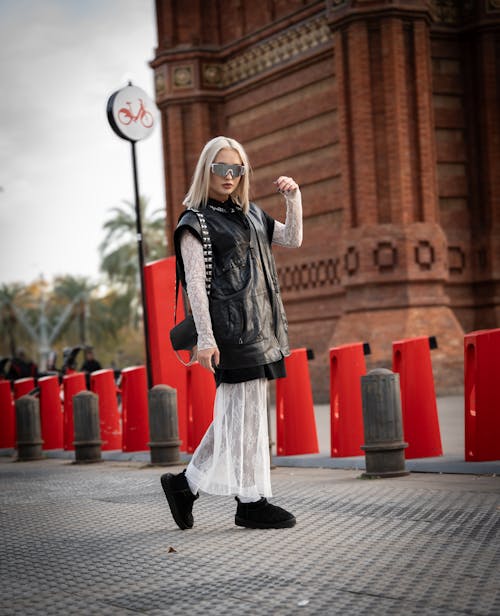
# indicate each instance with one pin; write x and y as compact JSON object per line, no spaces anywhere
{"x":226,"y":207}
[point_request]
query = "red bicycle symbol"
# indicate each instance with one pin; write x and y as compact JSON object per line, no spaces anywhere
{"x":144,"y":116}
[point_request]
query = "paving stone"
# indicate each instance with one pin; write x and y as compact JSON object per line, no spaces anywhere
{"x":95,"y":539}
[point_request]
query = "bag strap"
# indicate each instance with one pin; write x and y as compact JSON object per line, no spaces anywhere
{"x":207,"y":257}
{"x":207,"y":251}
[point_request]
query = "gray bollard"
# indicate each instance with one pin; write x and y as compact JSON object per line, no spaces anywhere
{"x":28,"y":429}
{"x":163,"y":428}
{"x":87,"y":430}
{"x":383,"y":425}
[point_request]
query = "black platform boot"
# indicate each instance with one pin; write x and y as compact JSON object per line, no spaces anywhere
{"x":180,"y":498}
{"x":262,"y":514}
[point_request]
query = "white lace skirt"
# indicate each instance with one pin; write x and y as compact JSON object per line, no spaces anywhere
{"x":233,"y":456}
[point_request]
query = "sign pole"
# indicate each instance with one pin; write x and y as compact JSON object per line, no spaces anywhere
{"x":140,"y":250}
{"x":131,"y":118}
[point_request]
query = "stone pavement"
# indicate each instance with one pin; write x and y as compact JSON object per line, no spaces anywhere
{"x":99,"y":539}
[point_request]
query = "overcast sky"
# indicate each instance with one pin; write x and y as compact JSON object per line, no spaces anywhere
{"x":61,"y":166}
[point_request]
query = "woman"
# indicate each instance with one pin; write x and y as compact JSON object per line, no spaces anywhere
{"x":242,"y":332}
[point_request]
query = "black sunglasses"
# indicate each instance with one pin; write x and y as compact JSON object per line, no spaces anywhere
{"x":222,"y":169}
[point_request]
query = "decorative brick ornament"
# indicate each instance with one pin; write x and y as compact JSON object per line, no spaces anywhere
{"x":456,"y":260}
{"x":309,"y":275}
{"x":424,"y":255}
{"x":183,"y":77}
{"x":385,"y":257}
{"x":351,"y":261}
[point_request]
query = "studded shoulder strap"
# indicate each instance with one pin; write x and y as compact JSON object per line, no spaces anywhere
{"x":207,"y":250}
{"x":207,"y":256}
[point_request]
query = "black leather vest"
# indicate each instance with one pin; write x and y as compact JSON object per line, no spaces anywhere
{"x":248,"y":318}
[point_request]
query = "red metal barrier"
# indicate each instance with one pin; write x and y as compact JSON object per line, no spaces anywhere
{"x":295,"y":422}
{"x":102,"y":383}
{"x":201,"y":396}
{"x":135,"y":414}
{"x":159,"y":278}
{"x":482,"y":409}
{"x":72,"y":384}
{"x":22,"y":387}
{"x":7,"y":417}
{"x":347,"y":366}
{"x":51,"y":412}
{"x":411,"y":358}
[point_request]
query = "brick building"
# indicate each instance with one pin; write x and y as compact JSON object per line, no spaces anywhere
{"x":387,"y":114}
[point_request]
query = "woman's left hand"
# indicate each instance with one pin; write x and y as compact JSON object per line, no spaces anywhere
{"x":286,"y":184}
{"x":208,"y":358}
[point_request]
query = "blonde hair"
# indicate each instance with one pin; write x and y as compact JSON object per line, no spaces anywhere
{"x":197,"y":195}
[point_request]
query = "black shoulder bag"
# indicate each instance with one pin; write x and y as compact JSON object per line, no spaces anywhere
{"x":183,"y":335}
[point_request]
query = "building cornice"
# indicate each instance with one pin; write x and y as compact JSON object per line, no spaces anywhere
{"x":208,"y":71}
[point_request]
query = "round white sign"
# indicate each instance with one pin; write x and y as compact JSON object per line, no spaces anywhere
{"x":131,"y":113}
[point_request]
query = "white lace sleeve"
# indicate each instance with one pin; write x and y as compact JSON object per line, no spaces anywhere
{"x":194,"y":267}
{"x":290,"y":233}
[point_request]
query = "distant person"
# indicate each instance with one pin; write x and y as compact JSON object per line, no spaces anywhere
{"x":69,"y":359}
{"x":21,"y":366}
{"x":3,"y":367}
{"x":90,"y":363}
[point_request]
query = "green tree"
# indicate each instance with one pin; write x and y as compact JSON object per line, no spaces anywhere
{"x":118,"y":250}
{"x":74,"y":295}
{"x":119,"y":259}
{"x":9,"y":324}
{"x":96,"y":315}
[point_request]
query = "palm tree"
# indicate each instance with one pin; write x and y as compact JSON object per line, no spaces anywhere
{"x":119,"y":259}
{"x":119,"y":248}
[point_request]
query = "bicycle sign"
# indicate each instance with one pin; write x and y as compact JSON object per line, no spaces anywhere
{"x":130,"y":113}
{"x":126,"y":115}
